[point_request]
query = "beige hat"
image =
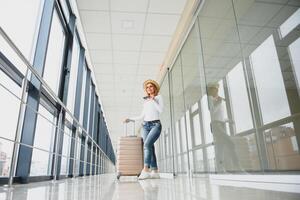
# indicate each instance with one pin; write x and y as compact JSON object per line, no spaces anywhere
{"x":153,"y":82}
{"x":213,"y":85}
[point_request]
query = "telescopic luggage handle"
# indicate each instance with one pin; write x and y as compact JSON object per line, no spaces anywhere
{"x":133,"y":128}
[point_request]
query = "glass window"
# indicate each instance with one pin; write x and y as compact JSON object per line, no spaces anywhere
{"x":239,"y":99}
{"x":183,"y":134}
{"x":206,"y":120}
{"x":199,"y":164}
{"x":66,"y":151}
{"x":189,"y":132}
{"x":178,"y":138}
{"x":43,"y":139}
{"x":192,"y":69}
{"x":55,"y":53}
{"x":9,"y":106}
{"x":271,"y":90}
{"x":84,"y":76}
{"x":6,"y":149}
{"x":21,"y":23}
{"x":294,"y":51}
{"x":197,"y":130}
{"x":291,"y":23}
{"x":73,"y":75}
{"x":65,"y":8}
{"x":12,"y":56}
{"x":282,"y":147}
{"x":210,"y":158}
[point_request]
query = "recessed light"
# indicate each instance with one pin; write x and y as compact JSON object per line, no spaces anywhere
{"x":127,"y":24}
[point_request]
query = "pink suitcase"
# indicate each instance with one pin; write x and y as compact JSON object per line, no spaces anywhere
{"x":129,"y":155}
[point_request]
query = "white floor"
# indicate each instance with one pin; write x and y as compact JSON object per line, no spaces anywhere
{"x":106,"y":187}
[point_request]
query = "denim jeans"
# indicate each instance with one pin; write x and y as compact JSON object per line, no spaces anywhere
{"x":150,"y":135}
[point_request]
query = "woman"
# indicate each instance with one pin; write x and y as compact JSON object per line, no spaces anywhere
{"x":153,"y":106}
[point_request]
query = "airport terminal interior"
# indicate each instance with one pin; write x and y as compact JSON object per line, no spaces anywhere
{"x":71,"y":72}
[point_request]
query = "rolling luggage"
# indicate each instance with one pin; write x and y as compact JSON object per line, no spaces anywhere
{"x":129,"y":155}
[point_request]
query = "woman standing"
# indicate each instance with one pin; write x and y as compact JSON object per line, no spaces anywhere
{"x":153,"y":106}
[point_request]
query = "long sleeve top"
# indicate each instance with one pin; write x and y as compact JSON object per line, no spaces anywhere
{"x":151,"y":109}
{"x":217,"y":109}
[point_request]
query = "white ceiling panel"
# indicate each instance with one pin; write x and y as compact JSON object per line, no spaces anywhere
{"x":125,"y":69}
{"x":104,"y":68}
{"x":100,"y":56}
{"x":128,"y":23}
{"x":127,"y":42}
{"x":95,"y":21}
{"x":159,"y":24}
{"x":93,"y":4}
{"x":156,"y":43}
{"x":146,"y":70}
{"x":151,"y":58}
{"x":98,"y":41}
{"x":166,"y":6}
{"x":106,"y":78}
{"x":121,"y":5}
{"x":123,"y":57}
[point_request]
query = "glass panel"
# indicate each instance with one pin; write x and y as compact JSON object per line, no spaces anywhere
{"x":41,"y":163}
{"x":189,"y":132}
{"x":6,"y":150}
{"x":178,"y":138}
{"x":197,"y":130}
{"x":44,"y":139}
{"x":9,"y":106}
{"x":83,"y":94}
{"x":206,"y":120}
{"x":291,"y":23}
{"x":198,"y":159}
{"x":183,"y":134}
{"x":73,"y":75}
{"x":45,"y":129}
{"x":195,"y":107}
{"x":271,"y":91}
{"x":282,"y":147}
{"x":21,"y":23}
{"x":65,"y":8}
{"x":192,"y":69}
{"x":294,"y":51}
{"x":239,"y":99}
{"x":210,"y":158}
{"x":55,"y":53}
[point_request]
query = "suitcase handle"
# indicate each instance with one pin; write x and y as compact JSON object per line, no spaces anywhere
{"x":133,"y":129}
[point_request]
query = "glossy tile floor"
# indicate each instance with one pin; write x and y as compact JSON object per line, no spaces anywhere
{"x":105,"y":187}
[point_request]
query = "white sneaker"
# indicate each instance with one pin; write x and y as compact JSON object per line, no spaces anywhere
{"x":144,"y":175}
{"x":155,"y":175}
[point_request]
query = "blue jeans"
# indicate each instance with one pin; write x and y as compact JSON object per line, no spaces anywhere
{"x":150,"y":135}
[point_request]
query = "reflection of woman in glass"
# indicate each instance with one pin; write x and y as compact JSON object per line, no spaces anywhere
{"x":153,"y":106}
{"x":224,"y":147}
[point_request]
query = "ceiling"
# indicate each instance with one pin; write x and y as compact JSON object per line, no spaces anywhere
{"x":127,"y":42}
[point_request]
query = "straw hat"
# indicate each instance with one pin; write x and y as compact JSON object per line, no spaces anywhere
{"x":213,"y":85}
{"x":153,"y":82}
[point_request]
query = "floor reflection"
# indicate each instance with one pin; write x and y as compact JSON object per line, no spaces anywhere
{"x":106,"y":187}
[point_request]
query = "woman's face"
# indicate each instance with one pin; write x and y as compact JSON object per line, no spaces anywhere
{"x":150,"y":89}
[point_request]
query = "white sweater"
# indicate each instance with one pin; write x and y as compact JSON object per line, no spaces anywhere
{"x":151,"y":109}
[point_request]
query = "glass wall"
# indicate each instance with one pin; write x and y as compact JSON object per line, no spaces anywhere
{"x":235,"y":90}
{"x":39,"y":138}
